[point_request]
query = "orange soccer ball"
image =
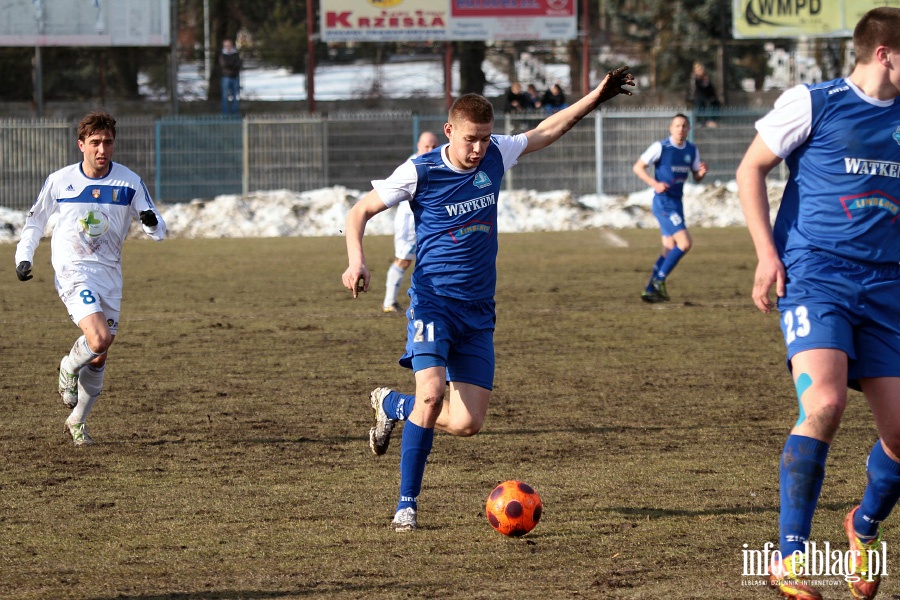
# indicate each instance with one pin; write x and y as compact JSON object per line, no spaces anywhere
{"x":514,"y":508}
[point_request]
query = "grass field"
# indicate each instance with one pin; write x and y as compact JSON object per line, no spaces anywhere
{"x":232,"y":461}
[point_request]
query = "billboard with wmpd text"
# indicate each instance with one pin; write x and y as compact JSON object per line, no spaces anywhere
{"x":97,"y":23}
{"x":446,"y":20}
{"x":773,"y":19}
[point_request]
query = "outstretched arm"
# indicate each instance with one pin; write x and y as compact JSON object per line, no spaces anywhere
{"x":357,"y":218}
{"x":556,"y":125}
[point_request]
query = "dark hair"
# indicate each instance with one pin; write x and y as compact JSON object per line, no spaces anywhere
{"x":878,"y":27}
{"x":474,"y":108}
{"x":95,"y":122}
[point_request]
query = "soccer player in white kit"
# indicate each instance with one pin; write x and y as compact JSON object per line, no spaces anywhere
{"x":404,"y":237}
{"x":96,"y":200}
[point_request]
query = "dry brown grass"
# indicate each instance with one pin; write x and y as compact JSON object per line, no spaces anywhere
{"x":232,"y":463}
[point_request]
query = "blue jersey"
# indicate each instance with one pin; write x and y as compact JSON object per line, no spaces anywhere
{"x":456,"y":225}
{"x":672,"y":165}
{"x":455,"y":213}
{"x":842,"y":195}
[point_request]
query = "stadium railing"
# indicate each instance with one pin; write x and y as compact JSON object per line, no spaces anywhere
{"x":187,"y":158}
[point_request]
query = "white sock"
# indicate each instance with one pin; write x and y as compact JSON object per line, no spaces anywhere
{"x":90,"y":384}
{"x":80,"y":355}
{"x":392,"y":287}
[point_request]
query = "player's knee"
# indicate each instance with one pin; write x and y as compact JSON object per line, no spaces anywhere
{"x":463,"y":429}
{"x":826,"y":415}
{"x":99,"y":341}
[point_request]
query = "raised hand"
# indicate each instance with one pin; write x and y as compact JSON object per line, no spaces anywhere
{"x":611,"y":86}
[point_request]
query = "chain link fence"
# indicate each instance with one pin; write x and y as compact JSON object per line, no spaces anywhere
{"x":186,"y":158}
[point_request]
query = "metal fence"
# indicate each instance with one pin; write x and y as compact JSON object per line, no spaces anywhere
{"x":183,"y":158}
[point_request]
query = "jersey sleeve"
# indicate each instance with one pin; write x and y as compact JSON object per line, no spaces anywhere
{"x":511,"y":148}
{"x":789,"y":123}
{"x":142,"y":202}
{"x":400,"y":186}
{"x":651,"y":154}
{"x":36,"y":223}
{"x":695,"y":166}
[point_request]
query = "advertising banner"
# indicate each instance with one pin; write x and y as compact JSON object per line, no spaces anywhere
{"x":97,"y":23}
{"x":446,"y":20}
{"x":773,"y":19}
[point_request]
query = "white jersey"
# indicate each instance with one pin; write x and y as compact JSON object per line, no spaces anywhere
{"x":94,"y":218}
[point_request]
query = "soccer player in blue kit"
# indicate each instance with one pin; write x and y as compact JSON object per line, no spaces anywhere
{"x":674,"y":158}
{"x":833,"y":256}
{"x":453,"y":192}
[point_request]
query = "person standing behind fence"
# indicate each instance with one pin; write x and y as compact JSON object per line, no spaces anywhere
{"x":97,"y":200}
{"x":404,"y":237}
{"x":674,"y":158}
{"x":231,"y":63}
{"x":832,"y":256}
{"x":450,"y":333}
{"x":702,"y":93}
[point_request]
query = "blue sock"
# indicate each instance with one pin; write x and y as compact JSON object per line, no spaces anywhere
{"x":802,"y":473}
{"x":653,"y":275}
{"x":668,"y":265}
{"x":398,"y":406}
{"x":882,"y":492}
{"x":415,"y":446}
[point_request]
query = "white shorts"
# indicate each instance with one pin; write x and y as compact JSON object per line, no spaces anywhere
{"x":404,"y":233}
{"x":87,"y":294}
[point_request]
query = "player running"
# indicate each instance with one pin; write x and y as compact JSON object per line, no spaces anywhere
{"x":453,"y":192}
{"x":674,"y":158}
{"x":96,"y":200}
{"x":833,"y":257}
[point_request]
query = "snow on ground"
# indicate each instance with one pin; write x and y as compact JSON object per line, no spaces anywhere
{"x":321,"y":212}
{"x":415,"y":78}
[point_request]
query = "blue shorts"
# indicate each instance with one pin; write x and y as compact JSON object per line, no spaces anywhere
{"x":451,"y":333}
{"x":670,"y":215}
{"x":854,"y":307}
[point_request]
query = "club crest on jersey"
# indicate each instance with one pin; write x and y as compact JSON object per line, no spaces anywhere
{"x":896,"y":135}
{"x":481,"y":179}
{"x":95,"y":192}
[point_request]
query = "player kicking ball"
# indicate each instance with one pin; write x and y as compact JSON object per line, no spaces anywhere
{"x":453,"y":192}
{"x":96,"y":200}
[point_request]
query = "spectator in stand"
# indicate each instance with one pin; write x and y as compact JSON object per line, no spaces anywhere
{"x":534,"y":99}
{"x":516,"y":99}
{"x":554,"y":99}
